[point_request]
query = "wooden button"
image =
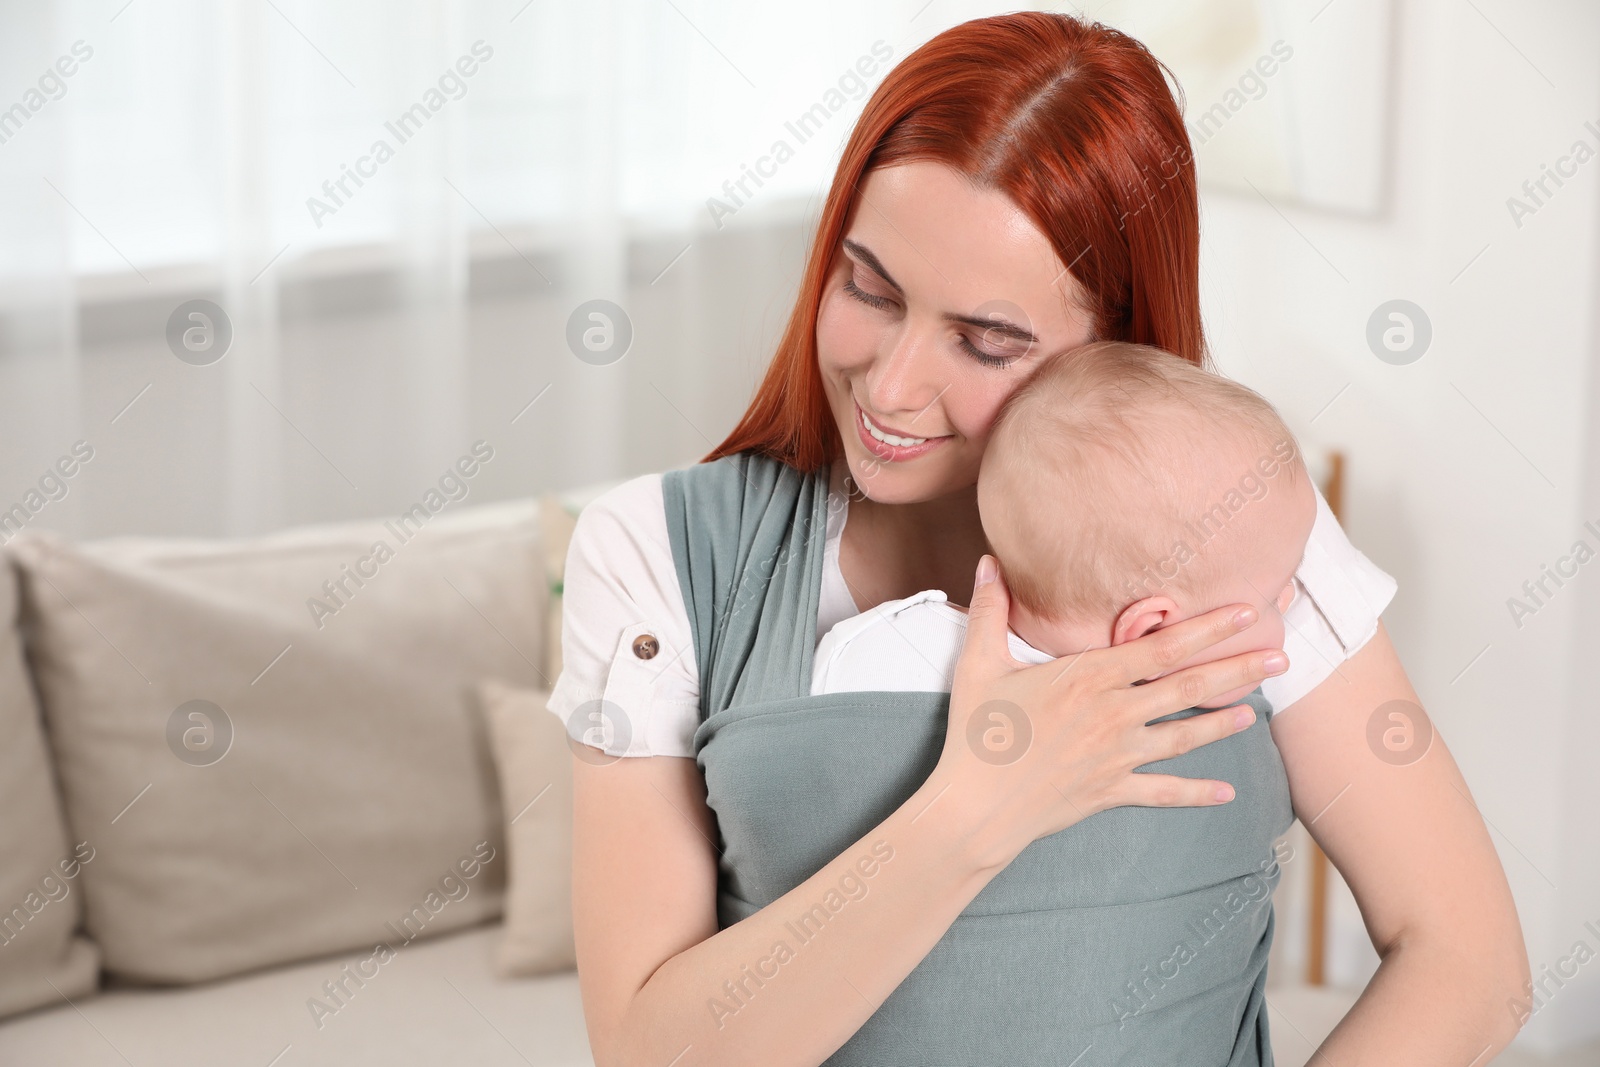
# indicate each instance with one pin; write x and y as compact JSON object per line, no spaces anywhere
{"x":645,"y":646}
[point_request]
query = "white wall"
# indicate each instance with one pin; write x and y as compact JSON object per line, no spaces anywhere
{"x":1474,"y":466}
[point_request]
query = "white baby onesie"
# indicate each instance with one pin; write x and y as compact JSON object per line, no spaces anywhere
{"x":908,"y":645}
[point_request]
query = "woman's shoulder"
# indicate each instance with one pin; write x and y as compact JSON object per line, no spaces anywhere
{"x":1339,"y":595}
{"x":621,"y":520}
{"x":620,"y":543}
{"x":1347,"y":588}
{"x":630,"y":499}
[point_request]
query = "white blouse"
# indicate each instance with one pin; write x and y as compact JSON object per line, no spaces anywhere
{"x":621,"y":586}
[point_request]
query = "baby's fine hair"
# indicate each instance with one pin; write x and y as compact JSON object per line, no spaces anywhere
{"x":1116,"y":466}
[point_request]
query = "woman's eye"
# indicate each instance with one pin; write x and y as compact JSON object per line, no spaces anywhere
{"x":865,"y":297}
{"x":988,"y":359}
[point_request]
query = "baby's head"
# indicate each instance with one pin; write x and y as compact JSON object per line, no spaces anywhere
{"x":1125,"y":489}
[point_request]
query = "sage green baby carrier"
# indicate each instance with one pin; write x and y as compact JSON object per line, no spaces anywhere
{"x":1138,"y":936}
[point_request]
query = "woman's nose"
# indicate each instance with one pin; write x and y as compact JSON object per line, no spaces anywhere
{"x":905,"y":377}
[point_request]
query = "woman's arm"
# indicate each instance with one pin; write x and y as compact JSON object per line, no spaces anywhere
{"x":654,"y":964}
{"x":1410,"y":842}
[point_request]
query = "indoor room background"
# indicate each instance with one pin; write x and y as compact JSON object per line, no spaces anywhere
{"x":272,"y":263}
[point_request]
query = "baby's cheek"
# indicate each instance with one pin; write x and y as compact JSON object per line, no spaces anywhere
{"x":1272,"y":632}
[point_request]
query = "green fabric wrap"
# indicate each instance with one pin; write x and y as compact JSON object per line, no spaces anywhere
{"x":1138,"y":936}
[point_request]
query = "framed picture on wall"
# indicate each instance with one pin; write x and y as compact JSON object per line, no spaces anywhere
{"x":1288,"y":98}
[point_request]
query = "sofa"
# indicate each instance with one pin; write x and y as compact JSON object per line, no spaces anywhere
{"x":289,"y":799}
{"x":294,"y":799}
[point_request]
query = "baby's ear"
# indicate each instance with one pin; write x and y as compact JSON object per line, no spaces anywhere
{"x":1141,"y":617}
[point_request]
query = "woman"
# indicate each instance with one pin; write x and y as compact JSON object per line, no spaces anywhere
{"x":1018,"y":186}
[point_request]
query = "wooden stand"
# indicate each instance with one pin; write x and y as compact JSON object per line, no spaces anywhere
{"x":1317,"y":934}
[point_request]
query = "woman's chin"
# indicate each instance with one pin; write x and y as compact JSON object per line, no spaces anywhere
{"x":884,"y":483}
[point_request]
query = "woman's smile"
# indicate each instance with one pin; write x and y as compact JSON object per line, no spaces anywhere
{"x":892,"y":445}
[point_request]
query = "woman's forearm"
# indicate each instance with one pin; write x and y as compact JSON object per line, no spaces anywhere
{"x":1418,"y":1010}
{"x":1432,"y":892}
{"x":790,"y":984}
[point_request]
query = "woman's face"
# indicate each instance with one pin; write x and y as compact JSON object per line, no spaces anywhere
{"x":942,"y":300}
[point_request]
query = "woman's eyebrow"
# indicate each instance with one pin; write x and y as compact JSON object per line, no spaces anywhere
{"x":1001,"y":326}
{"x":864,"y":254}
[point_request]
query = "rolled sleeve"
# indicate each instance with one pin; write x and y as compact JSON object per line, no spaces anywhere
{"x":628,"y":683}
{"x":1338,"y":596}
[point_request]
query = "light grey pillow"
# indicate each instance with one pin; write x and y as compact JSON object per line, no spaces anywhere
{"x":534,"y":762}
{"x":42,"y":956}
{"x":354,"y":801}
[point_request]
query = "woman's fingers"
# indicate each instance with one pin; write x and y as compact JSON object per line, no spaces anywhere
{"x":1083,"y":713}
{"x":1188,"y":687}
{"x":1160,"y":651}
{"x":1166,"y":740}
{"x":1169,"y":791}
{"x":986,"y":654}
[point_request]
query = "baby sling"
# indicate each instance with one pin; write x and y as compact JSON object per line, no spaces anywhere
{"x":1137,"y":936}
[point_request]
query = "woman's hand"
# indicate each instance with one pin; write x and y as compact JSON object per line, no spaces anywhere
{"x":1054,"y":743}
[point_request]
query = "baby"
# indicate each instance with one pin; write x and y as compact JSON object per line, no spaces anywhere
{"x":1123,"y":490}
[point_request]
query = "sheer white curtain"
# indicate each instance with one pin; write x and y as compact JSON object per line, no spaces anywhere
{"x":541,"y":155}
{"x":397,"y":208}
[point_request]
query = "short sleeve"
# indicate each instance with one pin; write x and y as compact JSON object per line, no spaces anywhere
{"x":629,"y":685}
{"x":1338,"y":595}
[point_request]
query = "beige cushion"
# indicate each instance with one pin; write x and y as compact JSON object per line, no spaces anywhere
{"x":40,"y":898}
{"x":535,"y":771}
{"x":558,"y":519}
{"x":356,"y":793}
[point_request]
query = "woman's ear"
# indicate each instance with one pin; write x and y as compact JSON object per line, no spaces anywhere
{"x":1142,"y":616}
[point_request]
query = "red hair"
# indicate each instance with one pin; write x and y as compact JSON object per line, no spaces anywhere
{"x":1071,"y":120}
